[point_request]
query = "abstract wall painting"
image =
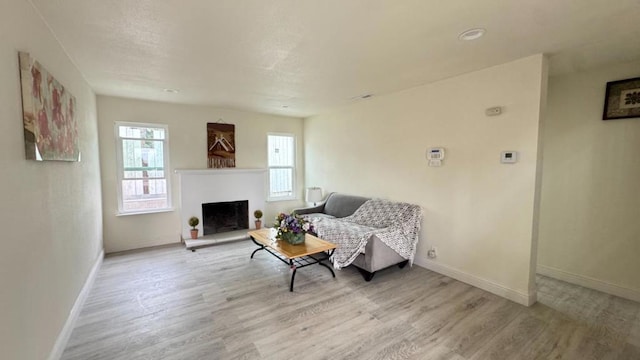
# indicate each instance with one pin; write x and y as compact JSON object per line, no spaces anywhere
{"x":221,"y":145}
{"x":622,"y":100}
{"x":49,"y":114}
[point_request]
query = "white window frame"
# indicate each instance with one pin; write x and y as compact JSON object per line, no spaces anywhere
{"x":293,"y":168}
{"x":120,"y":166}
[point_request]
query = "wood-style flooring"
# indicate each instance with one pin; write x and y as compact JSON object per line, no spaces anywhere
{"x":216,"y":303}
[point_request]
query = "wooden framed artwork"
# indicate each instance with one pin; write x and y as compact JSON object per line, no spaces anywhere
{"x":48,"y":113}
{"x":622,"y":100}
{"x":221,"y":144}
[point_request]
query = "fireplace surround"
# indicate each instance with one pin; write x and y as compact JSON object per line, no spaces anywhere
{"x":202,"y":186}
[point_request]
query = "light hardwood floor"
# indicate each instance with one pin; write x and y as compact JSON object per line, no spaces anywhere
{"x":216,"y":303}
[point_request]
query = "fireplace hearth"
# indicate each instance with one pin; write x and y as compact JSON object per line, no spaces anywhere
{"x":220,"y":217}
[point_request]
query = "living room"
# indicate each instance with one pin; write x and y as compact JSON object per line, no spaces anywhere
{"x":565,"y":209}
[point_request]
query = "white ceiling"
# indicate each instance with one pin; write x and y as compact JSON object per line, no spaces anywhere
{"x":311,"y":55}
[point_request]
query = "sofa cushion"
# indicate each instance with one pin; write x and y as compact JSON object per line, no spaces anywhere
{"x":318,"y":215}
{"x":339,"y":205}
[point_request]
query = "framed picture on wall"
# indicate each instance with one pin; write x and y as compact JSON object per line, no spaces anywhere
{"x":221,"y":144}
{"x":622,"y":100}
{"x":48,"y":114}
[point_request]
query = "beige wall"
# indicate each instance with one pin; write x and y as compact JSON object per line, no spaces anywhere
{"x":589,"y":228}
{"x":477,"y":212}
{"x":188,"y":144}
{"x":50,"y":213}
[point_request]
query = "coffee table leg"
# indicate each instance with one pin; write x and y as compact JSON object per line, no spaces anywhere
{"x":293,"y":275}
{"x":328,"y":267}
{"x":258,"y":249}
{"x":329,"y":254}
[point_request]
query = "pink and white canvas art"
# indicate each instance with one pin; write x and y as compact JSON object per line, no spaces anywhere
{"x":48,"y":109}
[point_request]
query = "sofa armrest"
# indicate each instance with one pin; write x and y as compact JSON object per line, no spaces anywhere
{"x":309,"y":210}
{"x":378,"y":256}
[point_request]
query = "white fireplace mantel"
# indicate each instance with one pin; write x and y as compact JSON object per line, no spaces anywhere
{"x":200,"y":186}
{"x":218,"y":171}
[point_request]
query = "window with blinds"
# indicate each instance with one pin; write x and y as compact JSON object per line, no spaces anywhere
{"x":142,"y":167}
{"x":282,"y":159}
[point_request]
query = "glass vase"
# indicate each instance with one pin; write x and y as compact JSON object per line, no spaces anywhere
{"x":293,"y":238}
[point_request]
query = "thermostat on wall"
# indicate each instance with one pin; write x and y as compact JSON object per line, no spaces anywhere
{"x":435,"y":155}
{"x":509,"y":157}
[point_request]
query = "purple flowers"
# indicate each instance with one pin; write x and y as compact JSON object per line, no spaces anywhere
{"x":293,"y":224}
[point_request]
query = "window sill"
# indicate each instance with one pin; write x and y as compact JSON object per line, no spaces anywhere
{"x":292,"y":198}
{"x":145,"y":212}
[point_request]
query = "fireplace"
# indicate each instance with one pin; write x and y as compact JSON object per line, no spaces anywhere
{"x":219,"y":217}
{"x":202,"y":186}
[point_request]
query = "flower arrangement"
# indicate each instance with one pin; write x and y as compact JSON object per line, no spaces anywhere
{"x":292,"y":228}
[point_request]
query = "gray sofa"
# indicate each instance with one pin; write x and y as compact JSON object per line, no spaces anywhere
{"x":377,"y":255}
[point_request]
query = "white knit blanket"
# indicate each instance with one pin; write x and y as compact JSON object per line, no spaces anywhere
{"x":396,"y":224}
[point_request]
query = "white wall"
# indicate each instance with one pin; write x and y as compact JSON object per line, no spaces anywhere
{"x":188,"y":149}
{"x":589,"y":224}
{"x":50,"y":213}
{"x":477,"y":212}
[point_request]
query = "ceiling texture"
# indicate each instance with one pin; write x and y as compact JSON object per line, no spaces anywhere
{"x":303,"y":57}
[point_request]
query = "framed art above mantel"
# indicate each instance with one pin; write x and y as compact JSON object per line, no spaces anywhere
{"x":221,"y":145}
{"x":622,"y":100}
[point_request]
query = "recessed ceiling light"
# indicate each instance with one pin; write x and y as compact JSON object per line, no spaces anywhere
{"x":361,"y":97}
{"x":171,"y":91}
{"x":472,"y":34}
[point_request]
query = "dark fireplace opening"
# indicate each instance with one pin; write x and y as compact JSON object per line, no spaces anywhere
{"x":222,"y":217}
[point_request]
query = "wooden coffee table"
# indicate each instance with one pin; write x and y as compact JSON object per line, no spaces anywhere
{"x":312,"y":251}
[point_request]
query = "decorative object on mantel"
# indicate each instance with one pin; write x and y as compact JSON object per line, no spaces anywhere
{"x":622,"y":100}
{"x":314,"y":195}
{"x":193,"y":222}
{"x":292,"y":228}
{"x":221,"y":145}
{"x":258,"y":215}
{"x":48,"y":113}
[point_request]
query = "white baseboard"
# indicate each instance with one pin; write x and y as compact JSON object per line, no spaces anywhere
{"x":589,"y":282}
{"x":65,"y":333}
{"x":484,"y":284}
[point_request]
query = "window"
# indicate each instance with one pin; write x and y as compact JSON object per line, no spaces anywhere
{"x":142,"y":154}
{"x":282,"y":161}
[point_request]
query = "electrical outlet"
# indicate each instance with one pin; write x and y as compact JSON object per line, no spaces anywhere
{"x":432,"y":253}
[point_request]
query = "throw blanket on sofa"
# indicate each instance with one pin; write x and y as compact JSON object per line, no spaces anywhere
{"x":395,"y":224}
